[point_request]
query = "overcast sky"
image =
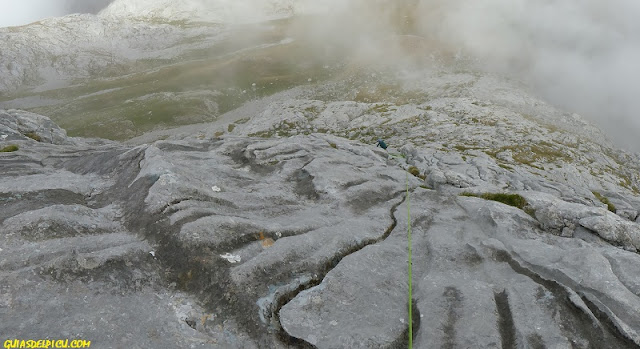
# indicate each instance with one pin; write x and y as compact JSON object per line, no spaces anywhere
{"x":20,"y":12}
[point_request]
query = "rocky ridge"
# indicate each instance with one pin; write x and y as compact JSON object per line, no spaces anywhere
{"x":55,"y":51}
{"x":282,"y":225}
{"x":217,"y":11}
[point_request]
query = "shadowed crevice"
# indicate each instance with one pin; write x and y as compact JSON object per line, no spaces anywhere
{"x":505,"y":320}
{"x":574,"y":323}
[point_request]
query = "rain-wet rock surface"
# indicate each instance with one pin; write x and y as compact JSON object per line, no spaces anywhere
{"x":290,"y":230}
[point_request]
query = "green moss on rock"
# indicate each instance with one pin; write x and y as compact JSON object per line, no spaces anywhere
{"x":611,"y":207}
{"x":416,"y":172}
{"x":34,"y":136}
{"x":9,"y":148}
{"x":514,"y":200}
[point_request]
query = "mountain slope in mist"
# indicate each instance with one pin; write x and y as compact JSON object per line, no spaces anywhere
{"x":220,"y":11}
{"x":56,"y":50}
{"x":17,"y":13}
{"x":579,"y":55}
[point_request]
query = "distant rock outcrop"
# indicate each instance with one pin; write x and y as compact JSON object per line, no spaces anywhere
{"x":217,"y":11}
{"x":54,"y":51}
{"x":18,"y":124}
{"x":247,"y":242}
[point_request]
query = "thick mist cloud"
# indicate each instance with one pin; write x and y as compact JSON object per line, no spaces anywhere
{"x":579,"y":54}
{"x":26,"y":11}
{"x":582,"y":55}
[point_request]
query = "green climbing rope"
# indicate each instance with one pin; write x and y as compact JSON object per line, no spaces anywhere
{"x":410,"y":281}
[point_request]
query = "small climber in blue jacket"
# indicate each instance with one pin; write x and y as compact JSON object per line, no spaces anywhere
{"x":381,"y":144}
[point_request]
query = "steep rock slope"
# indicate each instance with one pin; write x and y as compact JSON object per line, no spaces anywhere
{"x":242,"y":241}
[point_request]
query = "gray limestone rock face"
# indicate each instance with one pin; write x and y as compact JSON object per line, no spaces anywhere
{"x":206,"y":233}
{"x":299,"y":240}
{"x":21,"y":125}
{"x":612,"y":228}
{"x":484,"y":275}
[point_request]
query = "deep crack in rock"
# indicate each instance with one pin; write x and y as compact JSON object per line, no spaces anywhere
{"x":574,"y":318}
{"x":505,"y":320}
{"x":282,"y":301}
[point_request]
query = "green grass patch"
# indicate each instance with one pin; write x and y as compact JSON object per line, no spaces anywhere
{"x":9,"y":148}
{"x":462,"y":148}
{"x":514,"y":200}
{"x":34,"y":136}
{"x":534,"y":154}
{"x":161,"y":94}
{"x":506,"y":167}
{"x":416,"y":172}
{"x":313,"y":110}
{"x":382,"y":108}
{"x":611,"y":207}
{"x":389,"y":94}
{"x":262,"y":134}
{"x":397,"y":155}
